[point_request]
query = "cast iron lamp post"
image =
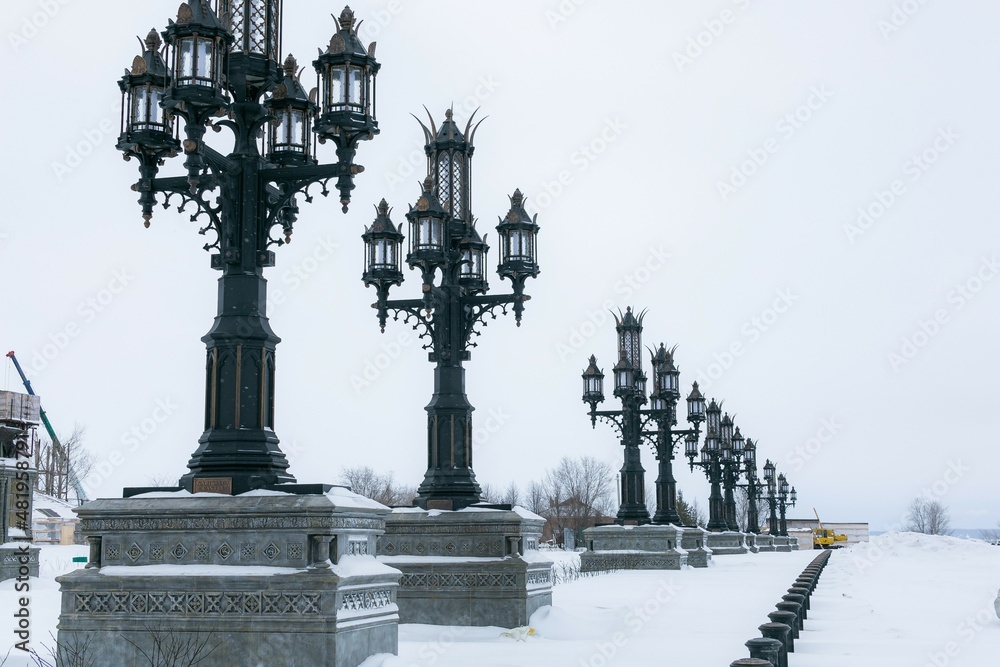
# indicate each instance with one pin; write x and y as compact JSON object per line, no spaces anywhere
{"x":221,"y":70}
{"x":752,"y":485}
{"x":632,"y":421}
{"x":451,"y":256}
{"x":711,"y":461}
{"x":786,"y":498}
{"x":778,"y":497}
{"x":731,"y":468}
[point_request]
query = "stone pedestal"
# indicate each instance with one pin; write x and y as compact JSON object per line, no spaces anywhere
{"x":751,"y":540}
{"x":693,"y":541}
{"x":765,"y":543}
{"x":726,"y":543}
{"x":262,"y":578}
{"x":474,"y":567}
{"x":646,"y":547}
{"x":783,"y":543}
{"x":18,"y":559}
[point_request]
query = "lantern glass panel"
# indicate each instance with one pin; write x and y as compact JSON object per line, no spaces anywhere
{"x":204,"y":57}
{"x":355,"y":89}
{"x":336,"y":88}
{"x":185,"y":59}
{"x":704,"y":455}
{"x":473,"y":263}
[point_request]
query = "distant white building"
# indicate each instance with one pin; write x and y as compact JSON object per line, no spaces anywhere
{"x":54,"y":522}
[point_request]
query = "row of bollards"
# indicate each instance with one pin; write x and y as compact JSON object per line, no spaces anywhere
{"x":778,"y":637}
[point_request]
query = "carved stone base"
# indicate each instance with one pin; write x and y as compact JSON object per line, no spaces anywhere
{"x":751,"y":540}
{"x":693,"y":541}
{"x":264,"y":579}
{"x":765,"y":543}
{"x":472,"y":567}
{"x":783,"y":543}
{"x":649,"y":547}
{"x":727,"y":543}
{"x":18,"y":561}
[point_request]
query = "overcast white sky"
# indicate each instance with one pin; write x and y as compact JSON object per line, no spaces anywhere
{"x":623,"y":124}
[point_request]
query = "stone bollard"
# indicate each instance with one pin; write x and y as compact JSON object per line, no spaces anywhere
{"x":799,"y":600}
{"x":794,"y":608}
{"x":803,"y":591}
{"x":766,"y":649}
{"x":749,"y":662}
{"x":782,"y":633}
{"x":788,"y":618}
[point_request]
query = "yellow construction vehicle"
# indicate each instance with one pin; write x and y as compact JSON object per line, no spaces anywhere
{"x":824,"y":538}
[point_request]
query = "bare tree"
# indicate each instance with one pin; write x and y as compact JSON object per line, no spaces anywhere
{"x":742,"y":507}
{"x":578,"y":493}
{"x":162,"y":480}
{"x":490,"y":494}
{"x":512,"y":494}
{"x":54,"y":464}
{"x":379,"y":486}
{"x":928,"y":516}
{"x":992,"y":536}
{"x":536,"y":499}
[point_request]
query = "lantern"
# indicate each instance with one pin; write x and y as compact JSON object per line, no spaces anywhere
{"x":691,"y":446}
{"x":696,"y":405}
{"x":198,"y":42}
{"x":382,"y":250}
{"x":347,"y":84}
{"x":428,"y":231}
{"x":726,"y":428}
{"x":518,"y":232}
{"x":624,"y":376}
{"x":291,"y":110}
{"x":256,"y":29}
{"x":713,"y":412}
{"x":472,"y":270}
{"x":145,"y":123}
{"x":593,"y":383}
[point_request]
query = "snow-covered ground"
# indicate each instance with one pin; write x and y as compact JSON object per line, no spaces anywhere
{"x":904,"y":599}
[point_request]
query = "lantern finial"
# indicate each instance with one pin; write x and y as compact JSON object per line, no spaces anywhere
{"x":153,"y":41}
{"x":291,"y":65}
{"x":347,"y":18}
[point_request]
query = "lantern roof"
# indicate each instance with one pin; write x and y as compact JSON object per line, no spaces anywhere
{"x":198,"y":14}
{"x":592,"y":369}
{"x":382,"y":224}
{"x":290,"y":87}
{"x":346,"y":39}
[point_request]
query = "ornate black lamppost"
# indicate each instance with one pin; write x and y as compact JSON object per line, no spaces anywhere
{"x":731,"y":458}
{"x":786,"y":498}
{"x":632,"y":421}
{"x":752,"y":485}
{"x":711,"y":461}
{"x":451,"y":256}
{"x":221,"y":69}
{"x":778,"y":497}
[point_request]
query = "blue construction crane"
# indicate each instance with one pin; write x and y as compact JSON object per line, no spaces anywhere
{"x":73,"y":479}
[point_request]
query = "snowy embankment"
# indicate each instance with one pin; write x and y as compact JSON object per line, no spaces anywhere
{"x":903,"y":599}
